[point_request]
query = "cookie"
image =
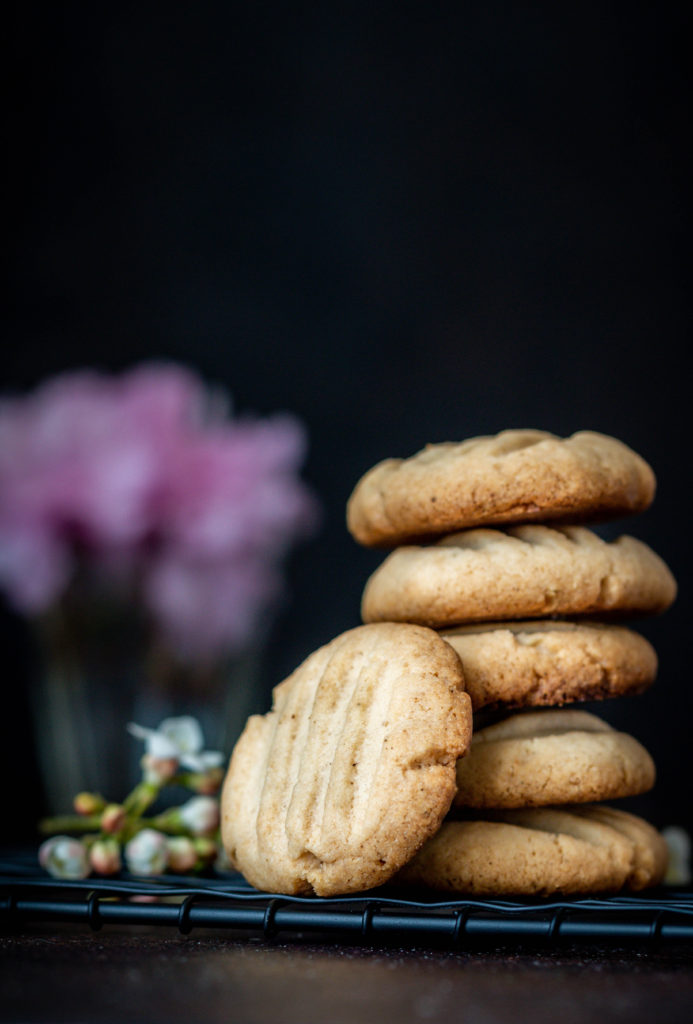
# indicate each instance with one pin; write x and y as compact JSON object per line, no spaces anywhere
{"x":513,"y":477}
{"x":523,"y":572}
{"x":353,"y":768}
{"x":547,"y":851}
{"x":650,"y":849}
{"x":548,"y":663}
{"x":551,"y":757}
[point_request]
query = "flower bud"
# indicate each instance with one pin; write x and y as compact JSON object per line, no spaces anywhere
{"x":147,"y":853}
{"x":679,"y":850}
{"x":87,"y":804}
{"x":182,"y":855}
{"x":113,"y":818}
{"x":223,"y":861}
{"x":200,"y":815}
{"x":208,"y":783}
{"x":207,"y":850}
{"x":104,"y":857}
{"x":159,"y":770}
{"x":64,"y":857}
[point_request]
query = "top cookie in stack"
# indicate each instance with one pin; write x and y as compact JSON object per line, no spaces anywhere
{"x":517,"y":476}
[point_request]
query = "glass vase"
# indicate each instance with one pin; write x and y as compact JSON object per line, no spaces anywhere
{"x":99,"y":670}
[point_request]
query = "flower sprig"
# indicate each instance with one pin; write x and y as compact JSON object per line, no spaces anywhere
{"x":100,"y":836}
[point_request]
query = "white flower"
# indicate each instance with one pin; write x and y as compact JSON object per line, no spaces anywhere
{"x":147,"y":853}
{"x":64,"y":857}
{"x":679,"y":846}
{"x":179,"y":738}
{"x":200,"y":815}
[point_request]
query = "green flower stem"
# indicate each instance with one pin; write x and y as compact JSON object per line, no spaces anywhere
{"x":187,"y":779}
{"x":169,"y":822}
{"x":141,"y":798}
{"x":70,"y":823}
{"x":198,"y":782}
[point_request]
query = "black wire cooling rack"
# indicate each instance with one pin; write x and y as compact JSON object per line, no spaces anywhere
{"x":386,"y":915}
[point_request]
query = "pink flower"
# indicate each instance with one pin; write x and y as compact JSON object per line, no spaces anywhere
{"x":205,"y":607}
{"x":87,"y":455}
{"x":146,"y":478}
{"x":236,"y":491}
{"x":35,"y":565}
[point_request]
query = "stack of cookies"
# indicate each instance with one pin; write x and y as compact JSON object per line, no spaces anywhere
{"x":427,"y":746}
{"x":484,"y":554}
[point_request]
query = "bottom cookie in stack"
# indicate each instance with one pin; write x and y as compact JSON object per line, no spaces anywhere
{"x":531,"y":825}
{"x":541,"y":851}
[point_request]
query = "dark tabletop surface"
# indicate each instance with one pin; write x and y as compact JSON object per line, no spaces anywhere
{"x":64,"y":972}
{"x":68,"y":955}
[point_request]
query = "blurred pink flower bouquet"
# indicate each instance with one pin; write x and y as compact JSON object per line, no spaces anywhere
{"x":143,"y":531}
{"x":145,"y":480}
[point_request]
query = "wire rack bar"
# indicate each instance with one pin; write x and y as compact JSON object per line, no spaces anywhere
{"x":370,"y":921}
{"x":226,"y":902}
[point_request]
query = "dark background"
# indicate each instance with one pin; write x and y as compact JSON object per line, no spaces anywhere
{"x":404,"y":222}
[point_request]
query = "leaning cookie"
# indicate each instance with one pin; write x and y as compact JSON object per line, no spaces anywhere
{"x":551,"y":757}
{"x":548,"y":662}
{"x":547,"y":851}
{"x":353,"y":768}
{"x":524,"y":572}
{"x":514,"y":477}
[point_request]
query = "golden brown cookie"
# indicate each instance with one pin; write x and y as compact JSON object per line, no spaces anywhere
{"x":548,"y":662}
{"x":513,"y":477}
{"x":546,"y":851}
{"x":551,"y":757}
{"x":523,"y":572}
{"x":354,"y":766}
{"x":650,"y":849}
